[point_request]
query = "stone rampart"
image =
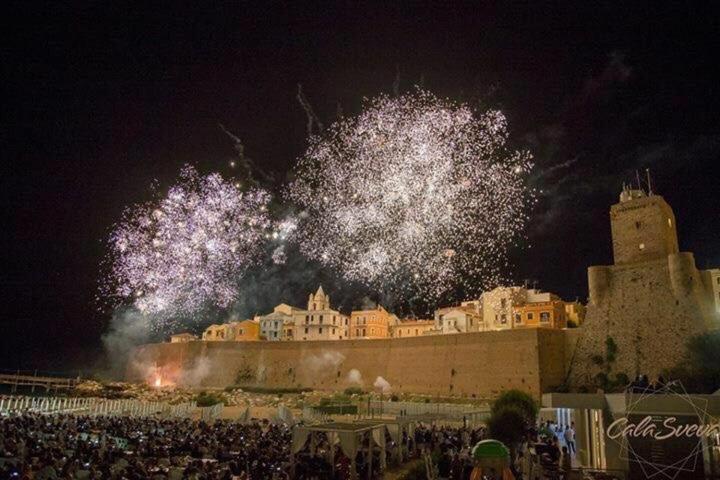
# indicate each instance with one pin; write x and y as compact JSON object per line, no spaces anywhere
{"x":479,"y":364}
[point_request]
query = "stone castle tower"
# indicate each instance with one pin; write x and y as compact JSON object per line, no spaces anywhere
{"x":644,"y":307}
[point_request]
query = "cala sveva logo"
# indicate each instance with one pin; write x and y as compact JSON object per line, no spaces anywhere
{"x":668,"y":428}
{"x":688,"y":437}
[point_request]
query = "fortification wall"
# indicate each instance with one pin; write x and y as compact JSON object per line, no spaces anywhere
{"x":648,"y":309}
{"x":480,"y":364}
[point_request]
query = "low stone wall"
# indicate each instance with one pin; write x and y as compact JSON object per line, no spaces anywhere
{"x":473,"y":364}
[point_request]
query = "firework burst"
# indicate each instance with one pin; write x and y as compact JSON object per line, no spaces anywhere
{"x":188,"y":250}
{"x":416,"y":193}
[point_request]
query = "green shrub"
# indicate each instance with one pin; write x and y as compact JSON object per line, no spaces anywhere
{"x":353,"y":391}
{"x":519,"y":400}
{"x":244,"y":375}
{"x":621,"y":380}
{"x":612,"y":349}
{"x":334,"y":409}
{"x":699,"y":368}
{"x":205,"y":399}
{"x":272,"y":390}
{"x":601,"y":380}
{"x":507,"y":424}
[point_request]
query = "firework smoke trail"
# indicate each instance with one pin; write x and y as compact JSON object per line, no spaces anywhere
{"x":188,"y":250}
{"x":415,"y":194}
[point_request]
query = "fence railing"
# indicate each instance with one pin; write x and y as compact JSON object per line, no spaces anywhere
{"x":209,"y":414}
{"x":417,"y":408}
{"x":92,"y":406}
{"x":312,"y":415}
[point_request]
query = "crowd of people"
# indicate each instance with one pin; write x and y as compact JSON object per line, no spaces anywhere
{"x":546,"y":452}
{"x":63,"y":446}
{"x":34,"y":446}
{"x":451,"y":448}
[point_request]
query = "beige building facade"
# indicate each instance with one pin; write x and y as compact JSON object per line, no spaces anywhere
{"x":320,"y":321}
{"x":372,"y":323}
{"x":460,"y":319}
{"x":575,"y":312}
{"x":412,"y":328}
{"x":182,"y":337}
{"x":278,"y":325}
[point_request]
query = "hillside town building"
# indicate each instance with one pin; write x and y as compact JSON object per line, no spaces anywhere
{"x":461,"y":319}
{"x":413,"y":328}
{"x":320,"y":321}
{"x":182,"y":338}
{"x":279,"y":324}
{"x":372,"y":323}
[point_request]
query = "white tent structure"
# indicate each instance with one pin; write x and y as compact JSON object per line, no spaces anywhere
{"x":350,"y":437}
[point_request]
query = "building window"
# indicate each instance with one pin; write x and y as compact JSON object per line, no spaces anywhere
{"x":530,"y":316}
{"x":400,"y":333}
{"x":314,"y":306}
{"x":306,"y":330}
{"x":518,"y":318}
{"x":503,"y":318}
{"x":544,"y":316}
{"x":275,"y":334}
{"x":416,"y":332}
{"x":321,"y":319}
{"x":307,"y":319}
{"x":275,"y":324}
{"x":372,"y":331}
{"x":320,"y":330}
{"x":357,"y":332}
{"x":363,"y":332}
{"x":346,"y":321}
{"x":333,"y":332}
{"x":503,"y":303}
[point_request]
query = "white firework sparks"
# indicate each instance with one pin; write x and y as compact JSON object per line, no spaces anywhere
{"x":415,"y":192}
{"x":188,"y":250}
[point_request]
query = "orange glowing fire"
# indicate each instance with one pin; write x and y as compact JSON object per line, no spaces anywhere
{"x":158,"y":382}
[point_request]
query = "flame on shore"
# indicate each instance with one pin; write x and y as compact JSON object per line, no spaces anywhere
{"x":158,"y":382}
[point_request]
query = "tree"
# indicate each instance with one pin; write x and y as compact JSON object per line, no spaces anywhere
{"x":507,"y":424}
{"x":699,"y":369}
{"x":521,"y":401}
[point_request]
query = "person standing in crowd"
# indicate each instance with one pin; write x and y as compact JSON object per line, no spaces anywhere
{"x":569,"y":435}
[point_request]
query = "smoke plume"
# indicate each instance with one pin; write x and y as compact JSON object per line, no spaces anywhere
{"x":355,"y":377}
{"x":382,"y":384}
{"x":128,"y":329}
{"x":326,"y":362}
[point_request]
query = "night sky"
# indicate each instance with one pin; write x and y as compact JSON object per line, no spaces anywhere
{"x":102,"y":99}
